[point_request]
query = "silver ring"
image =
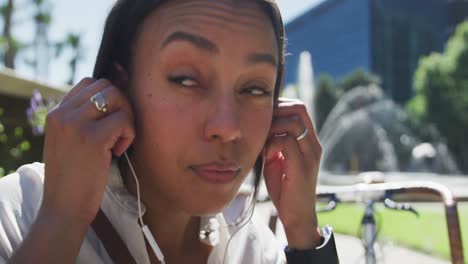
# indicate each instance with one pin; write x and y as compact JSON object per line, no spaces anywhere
{"x":100,"y":102}
{"x":303,"y":135}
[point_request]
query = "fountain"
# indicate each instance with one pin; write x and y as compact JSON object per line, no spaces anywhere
{"x":305,"y":88}
{"x":368,"y":135}
{"x":306,"y":83}
{"x":368,"y":132}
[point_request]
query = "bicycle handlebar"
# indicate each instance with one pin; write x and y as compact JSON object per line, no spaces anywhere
{"x":381,"y":191}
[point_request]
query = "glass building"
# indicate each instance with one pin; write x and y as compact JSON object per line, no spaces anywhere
{"x":385,"y":37}
{"x":457,"y":13}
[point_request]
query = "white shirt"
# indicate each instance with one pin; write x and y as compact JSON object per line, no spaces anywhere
{"x":20,"y":199}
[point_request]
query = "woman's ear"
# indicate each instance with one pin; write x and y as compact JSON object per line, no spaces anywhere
{"x":120,"y":76}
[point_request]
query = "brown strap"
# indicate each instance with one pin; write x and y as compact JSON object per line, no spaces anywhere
{"x":111,"y":240}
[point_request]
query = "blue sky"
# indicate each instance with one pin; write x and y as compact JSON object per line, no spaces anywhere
{"x":87,"y":17}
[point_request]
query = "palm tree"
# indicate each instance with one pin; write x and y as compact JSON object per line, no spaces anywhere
{"x":42,"y":19}
{"x":73,"y":43}
{"x":10,"y":47}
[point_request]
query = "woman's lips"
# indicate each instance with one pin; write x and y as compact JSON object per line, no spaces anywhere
{"x":217,"y":173}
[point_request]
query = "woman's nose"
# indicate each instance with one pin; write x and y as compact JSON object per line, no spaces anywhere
{"x":223,"y":122}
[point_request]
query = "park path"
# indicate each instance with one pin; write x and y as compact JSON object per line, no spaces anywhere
{"x":350,"y":251}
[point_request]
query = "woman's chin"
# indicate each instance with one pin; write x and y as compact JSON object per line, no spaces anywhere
{"x":208,"y":206}
{"x":209,"y":199}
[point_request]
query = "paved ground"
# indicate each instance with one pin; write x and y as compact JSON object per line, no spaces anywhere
{"x":350,"y":251}
{"x":350,"y":248}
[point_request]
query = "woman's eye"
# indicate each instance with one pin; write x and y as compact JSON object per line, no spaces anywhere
{"x":184,"y":81}
{"x":257,"y":91}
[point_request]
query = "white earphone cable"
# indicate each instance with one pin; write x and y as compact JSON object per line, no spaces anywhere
{"x":146,"y":232}
{"x":250,"y":213}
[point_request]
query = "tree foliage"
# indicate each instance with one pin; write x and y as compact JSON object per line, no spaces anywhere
{"x":441,"y":84}
{"x":73,"y":41}
{"x":13,"y":145}
{"x":329,"y":92}
{"x":38,"y":52}
{"x":359,"y":77}
{"x":325,"y":99}
{"x":9,"y":44}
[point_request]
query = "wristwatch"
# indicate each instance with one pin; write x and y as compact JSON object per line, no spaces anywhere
{"x":324,"y":254}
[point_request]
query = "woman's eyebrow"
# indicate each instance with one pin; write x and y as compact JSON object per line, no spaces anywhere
{"x":255,"y":58}
{"x":198,"y":41}
{"x":207,"y":45}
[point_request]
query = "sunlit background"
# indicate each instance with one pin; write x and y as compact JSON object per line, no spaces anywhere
{"x":85,"y":18}
{"x":385,"y":81}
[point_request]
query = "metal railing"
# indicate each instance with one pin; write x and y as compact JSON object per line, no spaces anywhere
{"x":387,"y":193}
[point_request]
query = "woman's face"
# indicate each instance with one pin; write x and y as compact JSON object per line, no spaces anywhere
{"x":202,"y":83}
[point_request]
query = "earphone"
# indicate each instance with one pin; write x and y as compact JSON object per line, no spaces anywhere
{"x":251,"y":209}
{"x":146,"y":232}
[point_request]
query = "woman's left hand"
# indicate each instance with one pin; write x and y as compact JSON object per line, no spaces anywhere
{"x":291,"y":170}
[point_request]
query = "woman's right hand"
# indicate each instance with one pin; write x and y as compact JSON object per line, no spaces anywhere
{"x":79,"y":143}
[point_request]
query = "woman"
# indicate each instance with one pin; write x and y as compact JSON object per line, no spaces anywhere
{"x":189,"y":89}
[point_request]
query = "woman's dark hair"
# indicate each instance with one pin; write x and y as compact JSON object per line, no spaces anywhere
{"x":120,"y":33}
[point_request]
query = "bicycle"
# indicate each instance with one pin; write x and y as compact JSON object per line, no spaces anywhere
{"x":387,"y":193}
